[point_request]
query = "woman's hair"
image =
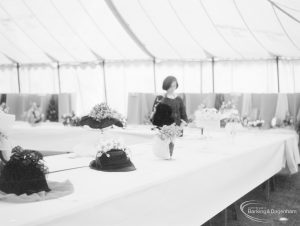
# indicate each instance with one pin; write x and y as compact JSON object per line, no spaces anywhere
{"x":168,"y":82}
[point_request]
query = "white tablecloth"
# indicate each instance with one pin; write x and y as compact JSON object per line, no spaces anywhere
{"x":56,"y":137}
{"x":206,"y":176}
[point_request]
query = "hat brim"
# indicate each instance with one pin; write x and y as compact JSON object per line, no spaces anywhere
{"x":129,"y":168}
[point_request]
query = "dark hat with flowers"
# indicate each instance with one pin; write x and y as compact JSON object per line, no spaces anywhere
{"x":112,"y":156}
{"x":102,"y":116}
{"x":24,"y":173}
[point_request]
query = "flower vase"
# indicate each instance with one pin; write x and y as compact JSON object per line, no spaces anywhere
{"x":163,"y":149}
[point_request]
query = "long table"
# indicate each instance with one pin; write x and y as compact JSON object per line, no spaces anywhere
{"x":206,"y":176}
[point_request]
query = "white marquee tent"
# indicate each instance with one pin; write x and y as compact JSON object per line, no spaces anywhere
{"x":104,"y":49}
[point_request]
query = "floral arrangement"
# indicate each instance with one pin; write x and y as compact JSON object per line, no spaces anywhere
{"x":70,"y":119}
{"x":227,"y":106}
{"x":28,"y":158}
{"x":24,"y":173}
{"x":4,"y":108}
{"x":204,"y":113}
{"x":288,"y":121}
{"x":108,"y":145}
{"x":169,"y":132}
{"x":103,"y":111}
{"x":207,"y":117}
{"x":229,"y":113}
{"x":255,"y":123}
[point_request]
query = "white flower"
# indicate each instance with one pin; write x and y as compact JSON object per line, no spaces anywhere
{"x":169,"y":132}
{"x":108,"y":145}
{"x":103,"y":111}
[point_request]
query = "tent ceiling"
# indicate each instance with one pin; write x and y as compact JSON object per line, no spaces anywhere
{"x":41,"y":31}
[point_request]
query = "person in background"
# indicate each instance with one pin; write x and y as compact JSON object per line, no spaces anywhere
{"x":170,"y":84}
{"x":34,"y":115}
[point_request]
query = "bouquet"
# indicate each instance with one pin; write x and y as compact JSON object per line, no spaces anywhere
{"x":164,"y":145}
{"x":229,"y":113}
{"x":103,"y":111}
{"x":169,"y":132}
{"x":4,"y":108}
{"x":229,"y":105}
{"x":70,"y":119}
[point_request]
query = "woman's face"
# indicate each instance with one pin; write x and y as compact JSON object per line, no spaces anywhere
{"x":173,"y":87}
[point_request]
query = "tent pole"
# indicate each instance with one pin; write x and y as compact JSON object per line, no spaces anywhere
{"x":154,"y":75}
{"x":18,"y":73}
{"x":277,"y":70}
{"x":213,"y":73}
{"x":104,"y":80}
{"x":201,"y":78}
{"x":58,"y":76}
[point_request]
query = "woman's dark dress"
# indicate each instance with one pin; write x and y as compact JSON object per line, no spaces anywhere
{"x":177,"y":106}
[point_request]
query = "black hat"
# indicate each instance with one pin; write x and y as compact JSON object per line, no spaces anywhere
{"x":162,"y":115}
{"x":93,"y":123}
{"x":24,"y":173}
{"x":114,"y":160}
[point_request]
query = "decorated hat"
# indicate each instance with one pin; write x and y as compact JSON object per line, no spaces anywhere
{"x":102,"y":116}
{"x":112,"y":157}
{"x":24,"y":173}
{"x":103,"y":123}
{"x":162,"y":115}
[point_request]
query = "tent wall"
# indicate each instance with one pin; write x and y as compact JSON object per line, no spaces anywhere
{"x":89,"y":84}
{"x":86,"y":82}
{"x":32,"y":82}
{"x":8,"y":80}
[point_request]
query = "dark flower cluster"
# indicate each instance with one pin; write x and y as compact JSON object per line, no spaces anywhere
{"x":25,"y":158}
{"x":24,"y":173}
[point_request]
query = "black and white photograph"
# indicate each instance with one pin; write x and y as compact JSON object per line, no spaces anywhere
{"x":149,"y":112}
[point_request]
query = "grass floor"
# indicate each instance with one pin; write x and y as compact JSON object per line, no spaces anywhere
{"x":286,"y":196}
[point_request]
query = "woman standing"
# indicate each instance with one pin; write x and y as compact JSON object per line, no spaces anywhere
{"x":171,"y":99}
